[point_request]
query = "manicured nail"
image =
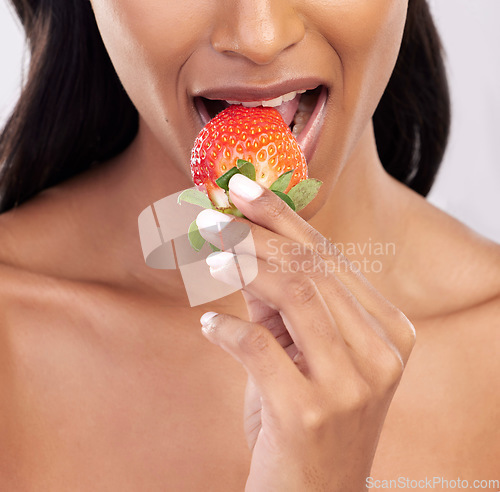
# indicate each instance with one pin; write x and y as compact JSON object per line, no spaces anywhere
{"x":245,"y":187}
{"x":220,"y":259}
{"x":212,"y":220}
{"x":205,"y":319}
{"x":223,"y":267}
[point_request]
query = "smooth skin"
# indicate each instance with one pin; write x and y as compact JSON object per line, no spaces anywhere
{"x":107,"y":382}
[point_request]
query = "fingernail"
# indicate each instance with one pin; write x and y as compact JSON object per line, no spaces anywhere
{"x":245,"y":187}
{"x":205,"y":319}
{"x":223,"y":267}
{"x":212,"y":220}
{"x":219,"y":259}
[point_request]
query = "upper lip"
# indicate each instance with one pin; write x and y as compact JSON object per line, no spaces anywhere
{"x":248,"y":93}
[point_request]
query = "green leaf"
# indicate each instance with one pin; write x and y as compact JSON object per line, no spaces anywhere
{"x":194,"y":236}
{"x":224,"y":179}
{"x":285,"y":198}
{"x":214,"y":248}
{"x":281,"y":184}
{"x":233,"y":211}
{"x":195,"y":197}
{"x":304,"y":192}
{"x":246,"y":168}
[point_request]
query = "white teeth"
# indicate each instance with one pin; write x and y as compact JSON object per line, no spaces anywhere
{"x":253,"y":104}
{"x":301,"y":117}
{"x":297,"y":129}
{"x":270,"y":103}
{"x":290,"y":96}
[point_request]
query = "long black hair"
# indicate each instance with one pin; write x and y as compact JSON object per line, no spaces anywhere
{"x":73,"y":111}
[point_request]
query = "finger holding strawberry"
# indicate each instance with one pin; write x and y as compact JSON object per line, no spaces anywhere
{"x":323,"y":349}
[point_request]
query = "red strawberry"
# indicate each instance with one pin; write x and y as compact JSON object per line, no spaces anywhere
{"x":257,"y":135}
{"x":255,"y":142}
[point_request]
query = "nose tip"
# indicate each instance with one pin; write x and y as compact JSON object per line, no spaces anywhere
{"x":259,"y":30}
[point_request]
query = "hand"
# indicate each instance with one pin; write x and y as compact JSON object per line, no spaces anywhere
{"x":324,"y":351}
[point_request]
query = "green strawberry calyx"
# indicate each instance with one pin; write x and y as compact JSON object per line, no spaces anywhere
{"x":297,"y":198}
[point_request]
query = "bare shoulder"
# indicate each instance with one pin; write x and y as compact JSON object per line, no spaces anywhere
{"x":477,"y":329}
{"x":477,"y":267}
{"x":17,"y":232}
{"x":445,"y":267}
{"x":19,"y":306}
{"x":30,"y":234}
{"x":459,"y":287}
{"x":38,"y":283}
{"x":454,"y":368}
{"x":56,"y":234}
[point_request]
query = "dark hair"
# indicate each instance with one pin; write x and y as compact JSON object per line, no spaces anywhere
{"x":412,"y":120}
{"x":73,"y":111}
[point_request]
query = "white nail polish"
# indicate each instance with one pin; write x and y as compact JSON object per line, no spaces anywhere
{"x":245,"y":187}
{"x":220,"y":259}
{"x":205,"y":319}
{"x":223,"y":267}
{"x":212,"y":220}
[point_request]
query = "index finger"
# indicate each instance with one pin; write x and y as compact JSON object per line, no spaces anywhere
{"x":264,"y":208}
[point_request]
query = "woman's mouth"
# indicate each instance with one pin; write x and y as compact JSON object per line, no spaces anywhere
{"x":301,"y":110}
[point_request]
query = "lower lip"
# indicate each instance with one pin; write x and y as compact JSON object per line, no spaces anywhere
{"x":308,"y":137}
{"x":202,"y":111}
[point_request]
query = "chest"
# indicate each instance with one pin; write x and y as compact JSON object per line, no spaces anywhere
{"x":443,"y":420}
{"x":98,"y":406}
{"x":125,"y":400}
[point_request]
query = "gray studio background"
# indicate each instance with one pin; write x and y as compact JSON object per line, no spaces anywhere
{"x":468,"y":185}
